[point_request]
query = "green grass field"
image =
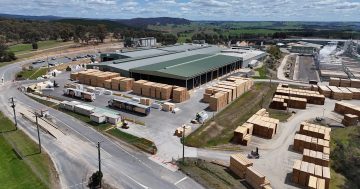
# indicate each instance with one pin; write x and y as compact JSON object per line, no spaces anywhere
{"x":31,"y":74}
{"x":26,"y":48}
{"x":21,"y":165}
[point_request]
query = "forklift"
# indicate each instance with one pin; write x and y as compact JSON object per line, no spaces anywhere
{"x":254,"y":154}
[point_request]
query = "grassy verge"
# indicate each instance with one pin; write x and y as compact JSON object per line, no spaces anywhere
{"x":219,"y":130}
{"x":281,"y":115}
{"x":21,"y":165}
{"x":210,"y":175}
{"x":345,"y":155}
{"x":141,"y":143}
{"x":31,"y":74}
{"x":26,"y":48}
{"x":262,"y":73}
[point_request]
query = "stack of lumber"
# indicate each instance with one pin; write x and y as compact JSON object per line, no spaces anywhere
{"x":346,"y":108}
{"x":318,"y":158}
{"x":263,"y":126}
{"x":233,"y":88}
{"x":137,"y":87}
{"x":355,"y":83}
{"x":239,"y":164}
{"x":217,"y":101}
{"x":350,"y":120}
{"x":278,"y":104}
{"x":293,"y":102}
{"x":84,"y":77}
{"x":115,"y":83}
{"x":108,"y":80}
{"x":165,"y":92}
{"x":336,"y":93}
{"x":74,"y":76}
{"x":314,"y":88}
{"x":255,"y":178}
{"x":302,"y":142}
{"x":316,"y":183}
{"x":145,"y":88}
{"x":102,"y":77}
{"x":324,"y":90}
{"x":347,"y":95}
{"x":355,"y":93}
{"x":334,"y":81}
{"x":145,"y":101}
{"x":151,"y":89}
{"x":345,"y":83}
{"x":303,"y":171}
{"x":180,"y":130}
{"x":126,"y":84}
{"x":168,"y":107}
{"x":158,"y":90}
{"x":243,"y":133}
{"x":314,"y":130}
{"x":107,"y":84}
{"x":312,"y":97}
{"x":180,"y":94}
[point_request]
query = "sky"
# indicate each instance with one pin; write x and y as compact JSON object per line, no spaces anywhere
{"x":229,"y":10}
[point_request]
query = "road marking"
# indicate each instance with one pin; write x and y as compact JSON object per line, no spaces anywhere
{"x":180,"y":180}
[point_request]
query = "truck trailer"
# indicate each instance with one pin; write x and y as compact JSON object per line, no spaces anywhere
{"x":76,"y":93}
{"x":129,"y":105}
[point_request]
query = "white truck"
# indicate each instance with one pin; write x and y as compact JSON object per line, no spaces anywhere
{"x":76,"y":93}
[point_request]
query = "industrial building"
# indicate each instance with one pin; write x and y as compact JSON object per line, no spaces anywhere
{"x":305,"y":48}
{"x":183,"y":65}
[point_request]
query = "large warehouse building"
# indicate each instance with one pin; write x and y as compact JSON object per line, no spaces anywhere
{"x":183,"y":65}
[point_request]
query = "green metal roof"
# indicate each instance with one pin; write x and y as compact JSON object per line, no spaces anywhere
{"x":187,"y":67}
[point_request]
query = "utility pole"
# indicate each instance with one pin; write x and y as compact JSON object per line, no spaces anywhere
{"x":183,"y":144}
{"x":99,"y":159}
{"x":38,"y":131}
{"x":13,"y":107}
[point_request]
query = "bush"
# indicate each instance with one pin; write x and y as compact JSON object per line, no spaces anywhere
{"x":345,"y":156}
{"x":35,"y":45}
{"x":95,"y":180}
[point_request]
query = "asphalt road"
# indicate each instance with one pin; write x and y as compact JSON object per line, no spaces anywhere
{"x":306,"y":70}
{"x":75,"y":155}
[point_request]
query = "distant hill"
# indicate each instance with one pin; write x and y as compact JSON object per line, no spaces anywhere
{"x":110,"y":24}
{"x":144,"y":22}
{"x":27,"y":17}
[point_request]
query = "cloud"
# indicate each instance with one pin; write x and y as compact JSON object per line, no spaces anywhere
{"x":305,"y":10}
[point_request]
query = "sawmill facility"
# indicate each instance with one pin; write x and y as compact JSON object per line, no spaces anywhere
{"x":184,"y":65}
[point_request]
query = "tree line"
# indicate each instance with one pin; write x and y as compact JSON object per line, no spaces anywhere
{"x":14,"y":31}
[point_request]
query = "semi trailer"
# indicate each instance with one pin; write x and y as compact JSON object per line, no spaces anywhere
{"x":129,"y":105}
{"x":76,"y":93}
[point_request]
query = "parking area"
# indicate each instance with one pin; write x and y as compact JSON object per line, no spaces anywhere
{"x":306,"y":70}
{"x":56,"y":60}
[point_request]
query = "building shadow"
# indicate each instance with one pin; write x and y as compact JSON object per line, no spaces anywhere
{"x":291,"y":149}
{"x":288,"y":180}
